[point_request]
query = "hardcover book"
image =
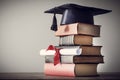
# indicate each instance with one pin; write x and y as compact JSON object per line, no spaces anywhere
{"x":78,"y":28}
{"x":76,"y":59}
{"x":75,"y":40}
{"x":70,"y":69}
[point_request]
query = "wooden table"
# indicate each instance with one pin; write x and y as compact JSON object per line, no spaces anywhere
{"x":38,"y":76}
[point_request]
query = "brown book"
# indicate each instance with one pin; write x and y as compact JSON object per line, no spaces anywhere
{"x":86,"y":69}
{"x":78,"y":28}
{"x":76,"y":59}
{"x":86,"y":50}
{"x":70,"y":69}
{"x":87,"y":59}
{"x":75,"y":40}
{"x":91,"y":50}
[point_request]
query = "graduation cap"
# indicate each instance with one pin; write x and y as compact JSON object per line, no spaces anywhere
{"x":73,"y":13}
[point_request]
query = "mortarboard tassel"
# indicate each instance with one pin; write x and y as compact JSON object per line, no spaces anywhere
{"x":54,"y":24}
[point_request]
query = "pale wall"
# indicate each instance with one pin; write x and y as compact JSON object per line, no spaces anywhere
{"x":24,"y":30}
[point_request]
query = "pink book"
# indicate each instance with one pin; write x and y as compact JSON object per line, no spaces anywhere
{"x":59,"y":69}
{"x":70,"y":69}
{"x":67,"y":29}
{"x":78,"y":28}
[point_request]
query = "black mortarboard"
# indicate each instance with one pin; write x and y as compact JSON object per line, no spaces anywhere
{"x":73,"y":13}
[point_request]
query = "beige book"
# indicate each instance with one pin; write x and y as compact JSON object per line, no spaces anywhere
{"x":78,"y":28}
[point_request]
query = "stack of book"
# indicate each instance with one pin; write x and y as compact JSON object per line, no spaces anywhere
{"x":78,"y":55}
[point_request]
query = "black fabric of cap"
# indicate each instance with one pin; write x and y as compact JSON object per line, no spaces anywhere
{"x":73,"y":13}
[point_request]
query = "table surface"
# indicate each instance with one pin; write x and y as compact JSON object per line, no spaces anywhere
{"x":37,"y":76}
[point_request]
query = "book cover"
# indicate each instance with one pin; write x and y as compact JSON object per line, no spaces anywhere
{"x":70,"y":69}
{"x":78,"y":28}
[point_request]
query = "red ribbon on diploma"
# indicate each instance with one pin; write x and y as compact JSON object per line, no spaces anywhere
{"x":57,"y":54}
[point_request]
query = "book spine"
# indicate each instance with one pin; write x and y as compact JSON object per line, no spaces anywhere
{"x":87,"y":59}
{"x":86,"y":29}
{"x":91,"y":50}
{"x":86,"y":70}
